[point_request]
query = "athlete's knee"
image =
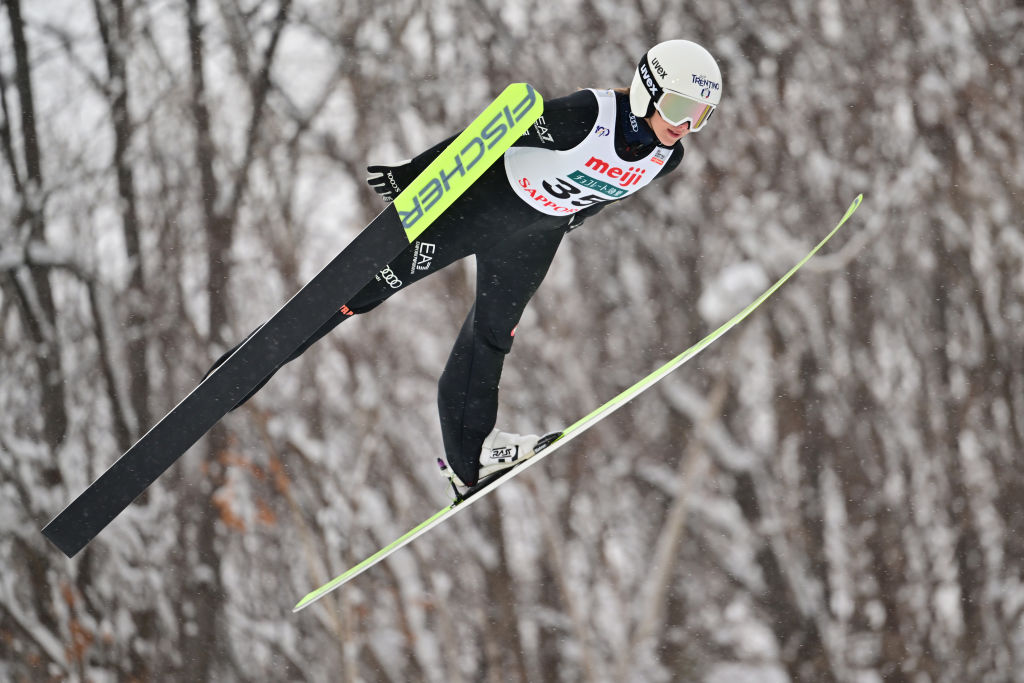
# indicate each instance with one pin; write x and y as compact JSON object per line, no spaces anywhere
{"x":497,"y":337}
{"x":339,"y":317}
{"x":359,"y":308}
{"x":364,"y":302}
{"x":377,"y":291}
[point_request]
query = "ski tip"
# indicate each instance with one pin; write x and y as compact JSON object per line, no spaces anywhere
{"x":853,"y":205}
{"x":303,"y":603}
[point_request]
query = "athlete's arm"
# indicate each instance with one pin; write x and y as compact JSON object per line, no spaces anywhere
{"x":566,"y":122}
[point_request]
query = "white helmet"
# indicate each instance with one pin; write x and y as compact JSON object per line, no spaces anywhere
{"x":680,"y":80}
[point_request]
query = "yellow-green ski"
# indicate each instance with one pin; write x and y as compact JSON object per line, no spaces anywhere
{"x":572,"y":431}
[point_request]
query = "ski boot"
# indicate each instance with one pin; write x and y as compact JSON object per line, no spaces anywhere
{"x":501,"y":452}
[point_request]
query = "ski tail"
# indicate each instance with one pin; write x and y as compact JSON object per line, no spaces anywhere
{"x":460,"y":500}
{"x":358,"y":569}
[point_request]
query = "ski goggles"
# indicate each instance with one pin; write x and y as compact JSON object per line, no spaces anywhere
{"x":677,"y":109}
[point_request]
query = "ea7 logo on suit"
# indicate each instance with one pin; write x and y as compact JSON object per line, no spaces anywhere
{"x":541,"y":127}
{"x":422,"y":256}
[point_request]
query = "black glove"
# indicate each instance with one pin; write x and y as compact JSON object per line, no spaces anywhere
{"x":389,"y":181}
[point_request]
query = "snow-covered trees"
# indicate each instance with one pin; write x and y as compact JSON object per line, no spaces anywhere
{"x":833,"y":492}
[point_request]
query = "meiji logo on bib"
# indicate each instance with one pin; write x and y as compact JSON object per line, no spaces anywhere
{"x":624,"y":176}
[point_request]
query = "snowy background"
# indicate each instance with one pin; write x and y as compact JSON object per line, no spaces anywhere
{"x":833,"y":492}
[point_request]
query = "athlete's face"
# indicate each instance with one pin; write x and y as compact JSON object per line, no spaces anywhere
{"x":668,"y":134}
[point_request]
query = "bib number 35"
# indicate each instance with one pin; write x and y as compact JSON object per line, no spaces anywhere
{"x":563,"y":189}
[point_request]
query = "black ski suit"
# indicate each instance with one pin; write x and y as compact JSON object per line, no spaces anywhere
{"x":513,"y":244}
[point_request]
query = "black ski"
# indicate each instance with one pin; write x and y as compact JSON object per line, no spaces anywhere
{"x":454,"y":170}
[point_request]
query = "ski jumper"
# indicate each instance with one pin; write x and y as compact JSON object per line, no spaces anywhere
{"x":586,"y":151}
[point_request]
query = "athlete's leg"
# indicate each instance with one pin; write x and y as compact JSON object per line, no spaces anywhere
{"x":420,"y":259}
{"x":331,"y":323}
{"x":507,"y":277}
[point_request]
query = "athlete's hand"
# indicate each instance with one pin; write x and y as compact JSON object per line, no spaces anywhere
{"x":389,"y":181}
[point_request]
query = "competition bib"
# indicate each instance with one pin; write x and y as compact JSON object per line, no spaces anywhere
{"x":560,"y":183}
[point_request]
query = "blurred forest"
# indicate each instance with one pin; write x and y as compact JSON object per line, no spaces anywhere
{"x":832,"y":492}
